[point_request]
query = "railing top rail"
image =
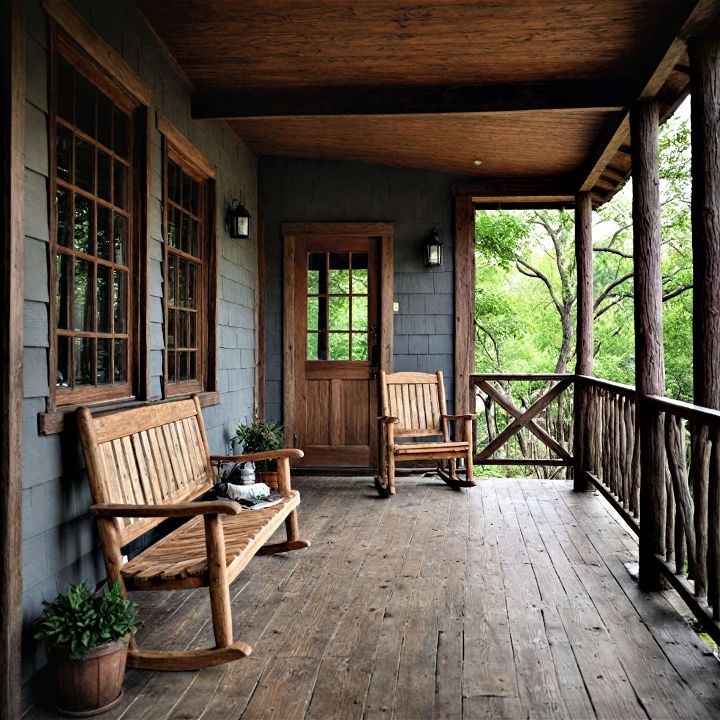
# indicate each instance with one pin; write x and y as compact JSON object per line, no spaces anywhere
{"x":619,"y":388}
{"x":478,"y":377}
{"x":687,"y":411}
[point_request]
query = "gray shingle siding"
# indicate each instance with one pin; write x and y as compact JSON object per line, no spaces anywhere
{"x":416,"y":201}
{"x":59,"y":538}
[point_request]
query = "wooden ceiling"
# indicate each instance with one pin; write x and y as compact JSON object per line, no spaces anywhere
{"x":533,"y":89}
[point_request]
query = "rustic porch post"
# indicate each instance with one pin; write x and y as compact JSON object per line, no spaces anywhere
{"x":584,"y":332}
{"x":649,"y":352}
{"x":464,"y":302}
{"x":12,"y":132}
{"x":705,"y":86}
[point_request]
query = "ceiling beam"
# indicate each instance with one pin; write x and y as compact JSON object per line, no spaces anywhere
{"x":513,"y":191}
{"x":418,"y":100}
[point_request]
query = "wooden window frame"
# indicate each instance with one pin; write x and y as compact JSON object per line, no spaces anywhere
{"x":177,"y":149}
{"x":134,"y":387}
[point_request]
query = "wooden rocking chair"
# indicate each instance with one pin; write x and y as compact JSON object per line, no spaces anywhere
{"x":413,"y":406}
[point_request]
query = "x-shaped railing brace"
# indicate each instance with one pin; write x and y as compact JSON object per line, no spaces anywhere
{"x":524,"y":419}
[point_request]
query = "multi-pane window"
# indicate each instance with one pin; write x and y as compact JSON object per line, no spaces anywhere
{"x":337,"y":306}
{"x":93,"y":138}
{"x":185,"y":276}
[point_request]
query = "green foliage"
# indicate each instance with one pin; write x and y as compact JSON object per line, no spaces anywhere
{"x":82,"y":620}
{"x":260,"y":436}
{"x":526,"y":295}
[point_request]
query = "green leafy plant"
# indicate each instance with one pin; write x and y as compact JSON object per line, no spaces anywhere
{"x":82,"y":620}
{"x":260,"y":436}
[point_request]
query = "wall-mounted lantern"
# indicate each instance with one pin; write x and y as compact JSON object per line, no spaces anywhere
{"x":238,"y":221}
{"x":433,"y":250}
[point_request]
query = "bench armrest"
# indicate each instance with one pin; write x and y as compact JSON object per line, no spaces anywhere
{"x":458,"y":417}
{"x":390,"y":419}
{"x":204,"y":507}
{"x":252,"y":457}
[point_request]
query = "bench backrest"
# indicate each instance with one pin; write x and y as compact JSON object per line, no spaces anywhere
{"x":416,"y":399}
{"x":151,"y":455}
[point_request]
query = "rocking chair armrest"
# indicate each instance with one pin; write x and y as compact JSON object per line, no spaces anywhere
{"x":187,"y":509}
{"x":252,"y":457}
{"x":458,"y":417}
{"x":388,"y":419}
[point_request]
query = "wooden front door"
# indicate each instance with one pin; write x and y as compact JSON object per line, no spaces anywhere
{"x":336,"y":339}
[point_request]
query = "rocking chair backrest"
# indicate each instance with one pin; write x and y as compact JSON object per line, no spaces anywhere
{"x":416,"y":399}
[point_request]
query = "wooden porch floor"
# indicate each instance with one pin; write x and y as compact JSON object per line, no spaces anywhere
{"x":510,"y":600}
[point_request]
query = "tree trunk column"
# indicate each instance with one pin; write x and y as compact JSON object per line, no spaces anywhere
{"x":705,"y":105}
{"x":649,"y":353}
{"x":584,"y":334}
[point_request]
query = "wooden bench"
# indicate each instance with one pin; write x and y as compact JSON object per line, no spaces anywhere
{"x":413,"y":406}
{"x":148,"y":464}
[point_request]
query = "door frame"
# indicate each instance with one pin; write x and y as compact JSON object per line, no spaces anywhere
{"x":290,"y":232}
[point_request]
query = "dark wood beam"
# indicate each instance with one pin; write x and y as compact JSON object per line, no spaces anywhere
{"x":12,"y":160}
{"x":404,"y":100}
{"x":649,"y":354}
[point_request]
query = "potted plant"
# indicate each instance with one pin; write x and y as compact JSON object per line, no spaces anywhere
{"x":262,"y":436}
{"x":87,"y":636}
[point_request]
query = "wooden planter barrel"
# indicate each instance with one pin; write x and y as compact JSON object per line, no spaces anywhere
{"x":91,"y":686}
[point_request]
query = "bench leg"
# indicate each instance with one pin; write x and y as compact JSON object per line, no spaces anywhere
{"x":218,"y":577}
{"x":294,"y":541}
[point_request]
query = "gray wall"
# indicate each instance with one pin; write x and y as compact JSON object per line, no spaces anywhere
{"x":316,"y":190}
{"x":59,"y":541}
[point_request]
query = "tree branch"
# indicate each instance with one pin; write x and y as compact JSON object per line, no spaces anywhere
{"x":535,"y":273}
{"x":610,"y":288}
{"x":622,"y":254}
{"x":677,"y":291}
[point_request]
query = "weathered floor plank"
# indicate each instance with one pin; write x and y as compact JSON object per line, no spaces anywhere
{"x":509,"y":600}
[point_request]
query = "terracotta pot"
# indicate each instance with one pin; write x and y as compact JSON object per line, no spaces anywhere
{"x":269,"y":477}
{"x":93,"y":685}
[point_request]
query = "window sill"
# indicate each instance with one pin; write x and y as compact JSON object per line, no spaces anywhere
{"x":54,"y":422}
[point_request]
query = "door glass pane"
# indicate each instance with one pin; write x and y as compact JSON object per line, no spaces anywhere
{"x":312,"y":346}
{"x":359,"y":312}
{"x":182,"y":283}
{"x":83,"y":227}
{"x":339,"y":314}
{"x":171,"y":227}
{"x":104,"y":355}
{"x":192,"y":284}
{"x":359,"y":346}
{"x":83,"y":296}
{"x":192,"y":330}
{"x":339,"y":281}
{"x":359,"y":273}
{"x":182,"y":366}
{"x":316,"y":273}
{"x":192,"y":365}
{"x":312,"y":313}
{"x":339,"y":346}
{"x":171,"y":278}
{"x":171,"y":366}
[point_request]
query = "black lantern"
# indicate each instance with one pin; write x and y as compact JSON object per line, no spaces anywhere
{"x":238,"y":222}
{"x":433,"y":250}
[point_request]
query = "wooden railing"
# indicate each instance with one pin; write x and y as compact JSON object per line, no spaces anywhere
{"x":523,"y":419}
{"x":608,"y":456}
